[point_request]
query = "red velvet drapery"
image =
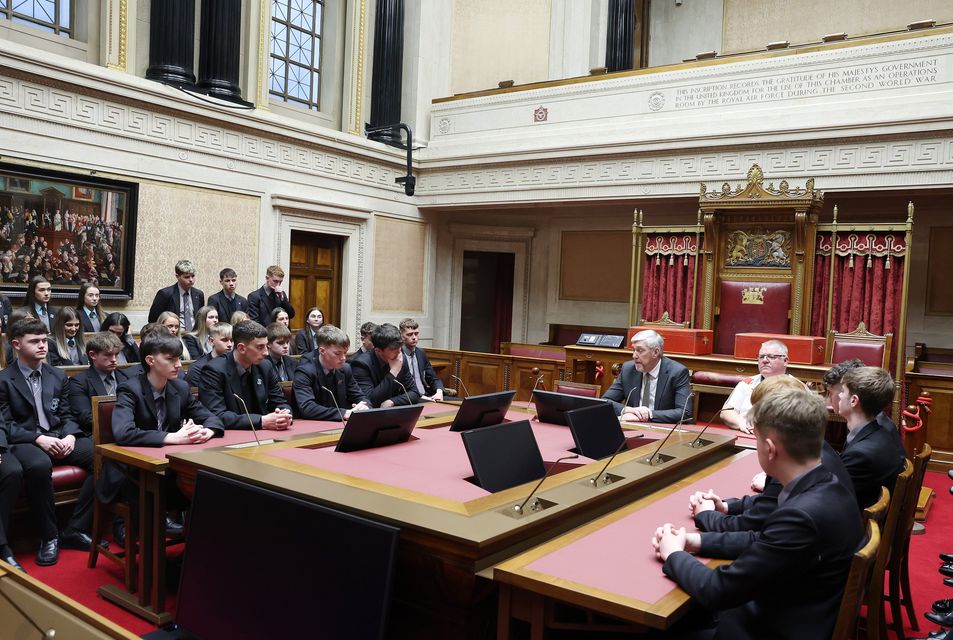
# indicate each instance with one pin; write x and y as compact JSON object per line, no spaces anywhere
{"x":668,"y":277}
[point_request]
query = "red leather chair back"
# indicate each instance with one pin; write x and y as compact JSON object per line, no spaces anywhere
{"x":871,"y":353}
{"x":738,"y":316}
{"x":562,"y":386}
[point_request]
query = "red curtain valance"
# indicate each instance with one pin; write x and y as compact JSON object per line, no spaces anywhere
{"x":670,"y":244}
{"x":863,"y":244}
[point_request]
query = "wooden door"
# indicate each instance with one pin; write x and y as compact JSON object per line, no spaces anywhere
{"x":316,"y":260}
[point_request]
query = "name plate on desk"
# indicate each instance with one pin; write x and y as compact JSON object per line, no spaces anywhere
{"x":801,"y":349}
{"x":695,"y":342}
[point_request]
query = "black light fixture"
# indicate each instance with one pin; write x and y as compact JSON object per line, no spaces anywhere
{"x":389,"y":134}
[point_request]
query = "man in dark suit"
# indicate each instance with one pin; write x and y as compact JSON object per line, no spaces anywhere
{"x":34,"y":407}
{"x":181,"y":298}
{"x":787,"y":580}
{"x":426,"y":381}
{"x":227,"y":301}
{"x":382,"y":374}
{"x":263,"y":301}
{"x":245,"y":373}
{"x":659,"y":396}
{"x":366,"y":331}
{"x":324,"y":387}
{"x":873,"y":453}
{"x":155,"y":409}
{"x":100,"y":379}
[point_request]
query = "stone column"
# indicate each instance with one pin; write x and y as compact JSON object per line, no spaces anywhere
{"x":171,"y":38}
{"x":388,"y":65}
{"x":219,"y":49}
{"x":620,"y":35}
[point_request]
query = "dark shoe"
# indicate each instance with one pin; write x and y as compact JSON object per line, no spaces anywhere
{"x":950,"y":473}
{"x":173,"y":528}
{"x":49,"y":552}
{"x":75,"y":540}
{"x":946,"y":557}
{"x":943,"y":606}
{"x":939,"y":634}
{"x":944,"y":620}
{"x":6,"y":554}
{"x":948,"y":582}
{"x":947,"y":569}
{"x":119,"y":533}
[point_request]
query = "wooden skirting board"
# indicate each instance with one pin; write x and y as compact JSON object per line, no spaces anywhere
{"x":927,"y":496}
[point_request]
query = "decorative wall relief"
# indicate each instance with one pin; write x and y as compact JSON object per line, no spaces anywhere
{"x":767,"y":249}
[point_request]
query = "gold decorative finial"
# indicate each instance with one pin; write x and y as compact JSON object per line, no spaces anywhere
{"x":835,"y":214}
{"x":755,"y":174}
{"x":910,"y":212}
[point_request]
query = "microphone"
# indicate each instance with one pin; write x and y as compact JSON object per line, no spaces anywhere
{"x":594,"y":481}
{"x":457,"y":378}
{"x":518,"y":508}
{"x":697,"y":441}
{"x":250,"y":423}
{"x":538,"y":380}
{"x":335,"y":401}
{"x":626,"y":403}
{"x":655,"y":457}
{"x":405,"y":391}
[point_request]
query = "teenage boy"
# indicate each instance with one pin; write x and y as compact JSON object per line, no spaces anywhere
{"x":787,"y":580}
{"x":227,"y":301}
{"x":324,"y":387}
{"x":279,"y":343}
{"x":264,"y":300}
{"x":220,"y":335}
{"x":426,"y":381}
{"x":873,"y":452}
{"x":181,"y":298}
{"x":34,"y":407}
{"x":244,"y":373}
{"x":382,"y":374}
{"x":366,"y":331}
{"x":100,"y":379}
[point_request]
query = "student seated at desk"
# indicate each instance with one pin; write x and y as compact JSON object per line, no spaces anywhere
{"x":873,"y":453}
{"x":279,"y":343}
{"x":100,"y":379}
{"x":787,"y":580}
{"x":245,"y":373}
{"x":147,"y":331}
{"x":426,"y":381}
{"x":220,"y":336}
{"x":382,"y":374}
{"x":317,"y":378}
{"x":749,"y":513}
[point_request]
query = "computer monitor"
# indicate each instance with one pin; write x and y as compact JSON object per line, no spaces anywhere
{"x":324,"y":571}
{"x":504,"y":455}
{"x":482,"y":411}
{"x":378,"y":427}
{"x":596,"y":431}
{"x":551,"y":407}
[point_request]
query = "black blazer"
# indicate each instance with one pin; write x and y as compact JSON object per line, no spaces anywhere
{"x":167,"y":299}
{"x":290,"y":366}
{"x":261,"y":303}
{"x":135,"y":424}
{"x":787,"y":580}
{"x":314,"y":403}
{"x":194,"y":374}
{"x":87,"y":324}
{"x":671,"y":391}
{"x":19,"y":413}
{"x":219,"y":382}
{"x":51,"y":312}
{"x":428,"y":376}
{"x":5,"y":310}
{"x":54,"y":358}
{"x":751,"y":512}
{"x":377,"y":384}
{"x":226,"y":307}
{"x":303,"y":342}
{"x":82,"y":387}
{"x":195,"y":350}
{"x":874,"y":458}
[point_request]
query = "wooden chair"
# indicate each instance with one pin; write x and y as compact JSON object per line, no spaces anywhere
{"x":874,"y":350}
{"x":878,"y":510}
{"x":577,"y":388}
{"x":898,"y":584}
{"x":856,"y":587}
{"x":875,"y":623}
{"x":103,"y":514}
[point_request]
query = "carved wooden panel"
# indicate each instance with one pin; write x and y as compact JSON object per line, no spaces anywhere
{"x":938,"y":427}
{"x":483,"y":375}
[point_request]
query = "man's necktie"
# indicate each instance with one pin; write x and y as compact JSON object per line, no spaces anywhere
{"x":36,"y":384}
{"x":415,"y":369}
{"x":71,"y":343}
{"x":110,"y":383}
{"x":186,"y":312}
{"x":94,"y":320}
{"x":646,"y":389}
{"x":161,"y":412}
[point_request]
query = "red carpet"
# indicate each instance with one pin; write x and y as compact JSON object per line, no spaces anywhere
{"x":71,"y":576}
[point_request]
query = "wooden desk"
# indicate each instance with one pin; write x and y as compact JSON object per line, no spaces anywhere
{"x":450,"y":529}
{"x":608,"y":566}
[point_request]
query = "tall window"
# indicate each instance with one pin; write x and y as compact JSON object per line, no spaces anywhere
{"x":295,"y":71}
{"x":52,"y":16}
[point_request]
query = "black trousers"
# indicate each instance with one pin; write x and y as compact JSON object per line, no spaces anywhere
{"x":38,"y":480}
{"x":11,"y":473}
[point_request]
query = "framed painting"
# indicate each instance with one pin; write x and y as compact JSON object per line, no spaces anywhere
{"x":68,"y":228}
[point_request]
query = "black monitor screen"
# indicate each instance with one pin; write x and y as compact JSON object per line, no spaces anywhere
{"x":260,"y":564}
{"x":551,"y":407}
{"x":596,"y":430}
{"x":378,"y":427}
{"x":482,"y":411}
{"x":504,"y":455}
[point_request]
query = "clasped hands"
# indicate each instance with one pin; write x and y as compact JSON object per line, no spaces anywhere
{"x":636,"y":414}
{"x":189,"y":433}
{"x":667,"y":540}
{"x":359,"y":406}
{"x":278,"y":420}
{"x":56,"y":448}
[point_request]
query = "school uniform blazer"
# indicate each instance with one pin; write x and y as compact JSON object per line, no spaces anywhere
{"x":135,"y":423}
{"x":168,"y":299}
{"x":377,"y":384}
{"x":51,"y":312}
{"x":19,"y":412}
{"x":226,"y":307}
{"x":303,"y":342}
{"x":751,"y":512}
{"x":261,"y":303}
{"x":86,"y":323}
{"x":314,"y":403}
{"x":671,"y":391}
{"x":195,"y":350}
{"x":874,"y":458}
{"x":82,"y":387}
{"x":131,"y":351}
{"x":54,"y":358}
{"x":786,"y":581}
{"x":219,"y":383}
{"x":291,"y":365}
{"x":194,"y":374}
{"x":431,"y":380}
